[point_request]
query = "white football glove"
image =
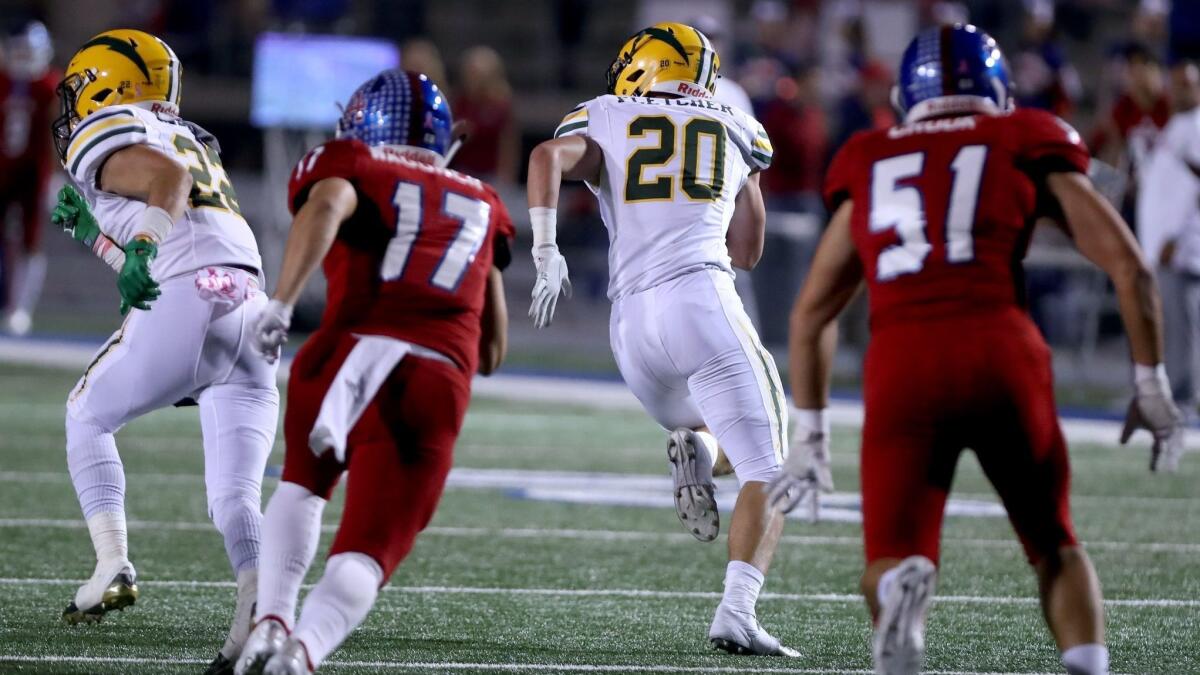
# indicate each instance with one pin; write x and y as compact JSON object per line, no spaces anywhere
{"x":551,"y":281}
{"x":806,"y":472}
{"x":271,"y":331}
{"x":1153,"y":409}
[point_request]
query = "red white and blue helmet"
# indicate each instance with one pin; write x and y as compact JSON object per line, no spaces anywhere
{"x":952,"y":70}
{"x":398,"y":107}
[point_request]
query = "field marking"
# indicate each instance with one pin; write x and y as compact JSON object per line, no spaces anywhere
{"x":507,"y":667}
{"x":834,"y":598}
{"x":604,"y":535}
{"x":586,"y":393}
{"x":507,"y":479}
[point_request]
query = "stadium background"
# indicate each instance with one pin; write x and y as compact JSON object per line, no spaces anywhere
{"x":815,"y":71}
{"x":555,"y":548}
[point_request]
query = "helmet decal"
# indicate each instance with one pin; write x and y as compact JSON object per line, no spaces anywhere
{"x":123,"y":48}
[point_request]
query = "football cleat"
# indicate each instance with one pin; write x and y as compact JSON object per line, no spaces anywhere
{"x":899,"y":646}
{"x":291,"y":660}
{"x":740,"y":633}
{"x":265,"y":641}
{"x":219,"y":666}
{"x":112,"y":586}
{"x":691,"y":471}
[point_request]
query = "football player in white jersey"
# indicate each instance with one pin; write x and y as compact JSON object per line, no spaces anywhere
{"x":676,"y":175}
{"x":189,"y":276}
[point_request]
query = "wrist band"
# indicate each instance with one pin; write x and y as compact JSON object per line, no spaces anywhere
{"x":544,"y":221}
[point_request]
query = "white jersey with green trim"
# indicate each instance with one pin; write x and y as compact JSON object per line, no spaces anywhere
{"x":672,"y":170}
{"x":212,"y":231}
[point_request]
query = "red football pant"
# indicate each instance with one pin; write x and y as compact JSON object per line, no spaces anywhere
{"x":933,"y":388}
{"x":397,"y":455}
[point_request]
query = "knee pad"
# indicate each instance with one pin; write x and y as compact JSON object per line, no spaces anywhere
{"x":763,"y":468}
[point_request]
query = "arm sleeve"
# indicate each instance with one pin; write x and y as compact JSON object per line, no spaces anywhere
{"x":503,"y":236}
{"x":98,"y":137}
{"x":335,"y":159}
{"x":840,"y":177}
{"x":575,"y":123}
{"x":1047,"y":144}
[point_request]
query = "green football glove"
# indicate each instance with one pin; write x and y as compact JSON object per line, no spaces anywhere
{"x":137,"y":288}
{"x":74,"y":216}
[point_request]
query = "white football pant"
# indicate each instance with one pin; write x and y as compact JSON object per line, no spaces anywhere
{"x":193,"y":343}
{"x":689,"y":353}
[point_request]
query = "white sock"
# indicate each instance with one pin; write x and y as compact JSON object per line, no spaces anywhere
{"x":239,"y":521}
{"x":743,"y":582}
{"x":291,"y":530}
{"x":885,"y":583}
{"x":337,"y":604}
{"x":29,"y":275}
{"x":95,"y":467}
{"x":243,"y":619}
{"x":109,"y":536}
{"x":1091,"y":659}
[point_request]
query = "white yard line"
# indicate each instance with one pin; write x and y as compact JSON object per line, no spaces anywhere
{"x":835,"y":598}
{"x":493,"y":667}
{"x":602,"y":535}
{"x":592,"y":394}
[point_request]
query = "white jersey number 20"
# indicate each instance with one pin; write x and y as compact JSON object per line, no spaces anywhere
{"x":473,"y":214}
{"x":900,"y":206}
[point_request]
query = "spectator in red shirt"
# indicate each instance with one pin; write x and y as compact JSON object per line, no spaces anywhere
{"x":28,"y":104}
{"x":796,"y":123}
{"x":483,"y":100}
{"x":1126,"y":134}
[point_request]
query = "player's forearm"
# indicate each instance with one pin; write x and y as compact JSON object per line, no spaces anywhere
{"x":748,"y":228}
{"x":311,"y":237}
{"x":493,"y":344}
{"x":1141,"y":311}
{"x":140,"y":173}
{"x":810,"y":360}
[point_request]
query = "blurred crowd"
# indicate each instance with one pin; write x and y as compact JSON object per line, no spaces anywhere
{"x":813,"y":71}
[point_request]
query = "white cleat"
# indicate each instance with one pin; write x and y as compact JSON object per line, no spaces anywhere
{"x":18,"y":323}
{"x":691,"y":471}
{"x":899,"y":647}
{"x":291,"y":660}
{"x":740,"y":633}
{"x":265,"y":641}
{"x":113,"y":586}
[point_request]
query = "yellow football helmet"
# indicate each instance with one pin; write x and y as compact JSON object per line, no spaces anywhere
{"x":671,"y":58}
{"x":116,"y":67}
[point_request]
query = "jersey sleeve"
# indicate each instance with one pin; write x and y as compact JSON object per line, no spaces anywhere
{"x":751,"y":138}
{"x":839,"y":178}
{"x":1047,"y":144}
{"x":575,"y":123}
{"x":98,"y":137}
{"x":335,"y":159}
{"x":504,"y":231}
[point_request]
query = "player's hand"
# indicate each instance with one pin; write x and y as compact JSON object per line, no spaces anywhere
{"x":73,"y":215}
{"x":1155,"y":412}
{"x":805,"y":473}
{"x":551,"y":282}
{"x":138,"y":289}
{"x":271,"y":331}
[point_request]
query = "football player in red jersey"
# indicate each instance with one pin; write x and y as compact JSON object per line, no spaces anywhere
{"x":412,"y":254}
{"x":935,"y":216}
{"x":27,"y":106}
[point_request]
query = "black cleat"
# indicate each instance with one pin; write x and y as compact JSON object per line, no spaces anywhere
{"x":219,"y":666}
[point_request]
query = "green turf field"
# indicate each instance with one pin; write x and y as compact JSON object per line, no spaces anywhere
{"x":503,"y":584}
